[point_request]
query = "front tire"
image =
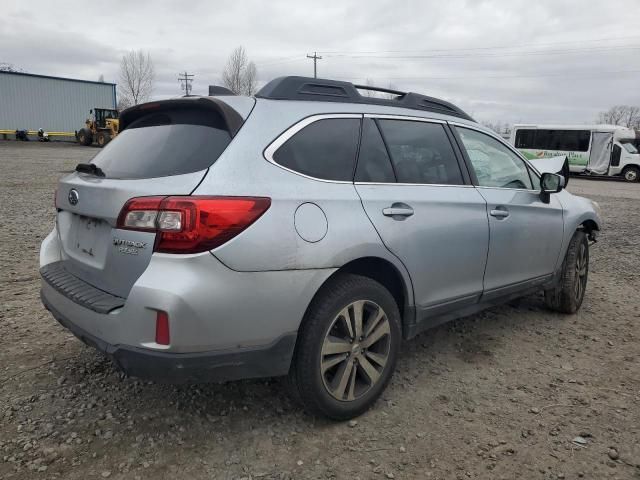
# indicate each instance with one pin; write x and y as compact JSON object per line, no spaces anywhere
{"x":567,"y":296}
{"x":631,"y":174}
{"x":347,"y":347}
{"x":102,"y":139}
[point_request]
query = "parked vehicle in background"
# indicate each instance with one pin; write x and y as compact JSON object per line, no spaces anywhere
{"x":101,"y":127}
{"x":604,"y":150}
{"x":305,"y":232}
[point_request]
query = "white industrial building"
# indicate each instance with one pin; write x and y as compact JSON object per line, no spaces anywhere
{"x":30,"y":102}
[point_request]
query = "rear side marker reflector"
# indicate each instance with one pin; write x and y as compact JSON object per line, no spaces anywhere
{"x":191,"y":224}
{"x":162,"y":328}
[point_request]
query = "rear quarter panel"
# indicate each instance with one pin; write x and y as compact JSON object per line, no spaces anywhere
{"x":272,"y":243}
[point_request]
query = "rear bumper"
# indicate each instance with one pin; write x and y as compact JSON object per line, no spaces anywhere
{"x":224,"y":324}
{"x":210,"y":307}
{"x":256,"y":362}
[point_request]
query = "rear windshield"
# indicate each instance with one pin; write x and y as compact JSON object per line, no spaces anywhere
{"x":165,"y":143}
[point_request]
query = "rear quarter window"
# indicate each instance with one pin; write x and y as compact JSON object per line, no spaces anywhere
{"x":325,"y":149}
{"x":374,"y":164}
{"x":165,"y":143}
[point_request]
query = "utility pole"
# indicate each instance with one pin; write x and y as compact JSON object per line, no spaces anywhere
{"x":186,"y":79}
{"x":315,"y":58}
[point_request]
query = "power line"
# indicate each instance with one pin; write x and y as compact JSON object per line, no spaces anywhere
{"x":276,"y":61}
{"x":315,"y":58}
{"x":492,"y":54}
{"x":499,"y":47}
{"x":367,"y":53}
{"x":572,"y":75}
{"x":186,"y":80}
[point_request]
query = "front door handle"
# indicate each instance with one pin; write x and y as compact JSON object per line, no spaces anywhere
{"x":499,"y":213}
{"x":398,"y":210}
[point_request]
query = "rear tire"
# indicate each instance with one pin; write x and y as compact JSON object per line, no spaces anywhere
{"x":347,"y":347}
{"x":631,"y":174}
{"x":85,"y":137}
{"x":567,"y":296}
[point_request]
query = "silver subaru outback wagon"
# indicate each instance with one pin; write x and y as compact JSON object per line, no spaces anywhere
{"x":304,"y":232}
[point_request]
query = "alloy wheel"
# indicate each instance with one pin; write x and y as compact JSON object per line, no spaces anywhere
{"x":355,"y":350}
{"x":631,"y":175}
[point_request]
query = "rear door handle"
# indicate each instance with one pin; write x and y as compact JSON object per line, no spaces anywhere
{"x":398,"y":210}
{"x":499,"y":213}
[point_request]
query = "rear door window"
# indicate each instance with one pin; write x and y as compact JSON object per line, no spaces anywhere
{"x":325,"y":149}
{"x":165,"y":143}
{"x":421,"y":152}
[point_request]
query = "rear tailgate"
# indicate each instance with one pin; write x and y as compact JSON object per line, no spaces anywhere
{"x":93,"y":249}
{"x":164,"y":149}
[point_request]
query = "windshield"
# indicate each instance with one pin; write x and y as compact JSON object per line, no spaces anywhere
{"x":629,"y":147}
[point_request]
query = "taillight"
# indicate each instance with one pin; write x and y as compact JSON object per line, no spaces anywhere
{"x":191,"y":224}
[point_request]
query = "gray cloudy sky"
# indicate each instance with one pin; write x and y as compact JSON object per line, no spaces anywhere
{"x":508,"y":60}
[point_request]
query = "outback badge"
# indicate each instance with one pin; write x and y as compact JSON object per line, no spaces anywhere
{"x":128,"y":247}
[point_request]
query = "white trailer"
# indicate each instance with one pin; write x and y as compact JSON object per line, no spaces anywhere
{"x":604,"y":150}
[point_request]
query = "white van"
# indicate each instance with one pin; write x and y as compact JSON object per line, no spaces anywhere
{"x":606,"y":150}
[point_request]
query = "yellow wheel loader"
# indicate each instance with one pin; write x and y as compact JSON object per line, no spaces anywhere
{"x":101,"y":126}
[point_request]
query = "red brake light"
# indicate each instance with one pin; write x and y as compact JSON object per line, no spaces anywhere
{"x":191,"y":224}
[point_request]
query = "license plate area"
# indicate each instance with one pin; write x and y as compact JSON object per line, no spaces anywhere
{"x":86,"y":238}
{"x":93,"y":251}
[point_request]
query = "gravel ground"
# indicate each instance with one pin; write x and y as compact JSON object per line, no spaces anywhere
{"x":513,"y":392}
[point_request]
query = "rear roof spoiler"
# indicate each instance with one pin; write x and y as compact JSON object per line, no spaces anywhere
{"x":232,"y":119}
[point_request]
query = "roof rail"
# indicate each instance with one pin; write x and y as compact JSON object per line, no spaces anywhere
{"x":324,"y":90}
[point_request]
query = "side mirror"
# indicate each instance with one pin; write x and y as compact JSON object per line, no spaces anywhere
{"x":551,"y":183}
{"x":91,"y":111}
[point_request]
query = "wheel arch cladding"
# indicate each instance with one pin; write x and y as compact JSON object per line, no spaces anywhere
{"x":590,"y":225}
{"x":383,"y":272}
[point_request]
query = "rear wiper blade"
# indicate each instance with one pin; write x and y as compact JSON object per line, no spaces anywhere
{"x":90,"y":168}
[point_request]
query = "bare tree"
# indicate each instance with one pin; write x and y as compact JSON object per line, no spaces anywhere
{"x":625,"y":115}
{"x":502,"y":128}
{"x":613,"y":116}
{"x":240,"y":75}
{"x":376,"y":93}
{"x":137,"y":75}
{"x":369,"y":93}
{"x":632,"y":117}
{"x":9,"y":67}
{"x":250,"y":80}
{"x":390,"y":96}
